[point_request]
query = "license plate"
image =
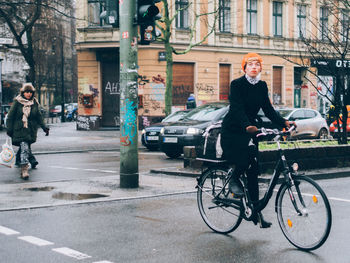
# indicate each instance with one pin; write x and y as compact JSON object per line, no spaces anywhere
{"x":152,"y":138}
{"x":170,"y":139}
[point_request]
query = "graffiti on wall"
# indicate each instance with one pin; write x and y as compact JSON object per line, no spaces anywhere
{"x":128,"y":123}
{"x":153,"y":98}
{"x":204,"y":91}
{"x":87,"y":122}
{"x":87,"y":96}
{"x":112,"y":88}
{"x":181,"y":93}
{"x":145,"y":121}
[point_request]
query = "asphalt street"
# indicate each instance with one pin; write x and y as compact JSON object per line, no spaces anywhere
{"x":160,"y":229}
{"x":72,"y":208}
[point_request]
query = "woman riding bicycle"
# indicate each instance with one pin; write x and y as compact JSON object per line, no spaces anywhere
{"x":248,"y":94}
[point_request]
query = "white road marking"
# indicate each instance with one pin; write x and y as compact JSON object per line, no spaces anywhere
{"x":36,"y":241}
{"x":329,"y":198}
{"x":7,"y":231}
{"x":339,"y":199}
{"x":88,"y":170}
{"x":103,"y":261}
{"x":71,"y":253}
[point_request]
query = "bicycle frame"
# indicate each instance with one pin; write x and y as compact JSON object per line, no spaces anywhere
{"x":281,"y":166}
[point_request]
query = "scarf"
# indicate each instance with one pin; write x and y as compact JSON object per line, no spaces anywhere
{"x":253,"y":81}
{"x":26,"y":108}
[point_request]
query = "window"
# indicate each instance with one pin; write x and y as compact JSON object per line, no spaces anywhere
{"x":277,"y":85}
{"x":345,"y":23}
{"x":324,"y":23}
{"x":277,"y":19}
{"x":298,"y":115}
{"x":301,"y":17}
{"x":182,"y":16}
{"x":252,"y":13}
{"x":95,"y":8}
{"x":310,"y":114}
{"x":224,"y":15}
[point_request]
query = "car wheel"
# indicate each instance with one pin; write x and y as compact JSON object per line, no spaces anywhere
{"x":323,"y":134}
{"x":173,"y":154}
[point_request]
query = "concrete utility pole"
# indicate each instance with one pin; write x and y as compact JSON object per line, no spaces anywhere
{"x":129,"y":168}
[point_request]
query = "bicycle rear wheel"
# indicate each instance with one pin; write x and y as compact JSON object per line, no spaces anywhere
{"x":307,"y":222}
{"x":220,"y":216}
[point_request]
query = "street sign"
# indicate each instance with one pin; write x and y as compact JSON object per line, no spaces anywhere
{"x":7,"y":41}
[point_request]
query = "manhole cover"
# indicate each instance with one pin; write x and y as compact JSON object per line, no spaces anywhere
{"x":39,"y":189}
{"x":71,"y":196}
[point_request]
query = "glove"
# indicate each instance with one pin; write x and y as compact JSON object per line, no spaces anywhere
{"x":46,"y":130}
{"x":9,"y":134}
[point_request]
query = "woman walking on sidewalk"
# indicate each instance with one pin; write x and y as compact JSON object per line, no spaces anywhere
{"x":22,"y":124}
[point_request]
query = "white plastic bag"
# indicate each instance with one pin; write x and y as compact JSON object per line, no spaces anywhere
{"x":7,"y":155}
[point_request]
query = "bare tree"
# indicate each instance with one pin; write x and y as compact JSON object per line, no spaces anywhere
{"x":326,"y":47}
{"x":33,"y":30}
{"x":165,"y":24}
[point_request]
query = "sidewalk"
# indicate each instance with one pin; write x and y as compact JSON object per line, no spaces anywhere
{"x":65,"y":138}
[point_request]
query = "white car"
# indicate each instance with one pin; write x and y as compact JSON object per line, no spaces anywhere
{"x":310,"y":123}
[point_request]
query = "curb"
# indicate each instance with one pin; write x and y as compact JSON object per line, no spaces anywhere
{"x":264,"y":178}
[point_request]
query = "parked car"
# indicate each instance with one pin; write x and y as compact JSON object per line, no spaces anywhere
{"x":150,"y":134}
{"x":310,"y":123}
{"x":55,"y":110}
{"x":188,"y":130}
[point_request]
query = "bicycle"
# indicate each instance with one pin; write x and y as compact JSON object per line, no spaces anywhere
{"x":303,"y":210}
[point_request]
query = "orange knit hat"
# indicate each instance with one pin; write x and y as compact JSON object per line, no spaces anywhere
{"x":251,"y":57}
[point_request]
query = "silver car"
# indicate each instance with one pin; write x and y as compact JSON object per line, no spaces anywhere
{"x":310,"y":123}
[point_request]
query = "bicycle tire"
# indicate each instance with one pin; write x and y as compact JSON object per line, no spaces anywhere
{"x":221,"y":218}
{"x":310,"y":229}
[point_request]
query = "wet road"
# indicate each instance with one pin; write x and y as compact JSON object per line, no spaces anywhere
{"x":160,"y":229}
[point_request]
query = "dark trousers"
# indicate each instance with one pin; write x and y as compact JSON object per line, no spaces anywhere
{"x":25,"y":155}
{"x":252,"y":170}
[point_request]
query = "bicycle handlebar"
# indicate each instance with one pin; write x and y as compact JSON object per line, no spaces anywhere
{"x":265,"y":131}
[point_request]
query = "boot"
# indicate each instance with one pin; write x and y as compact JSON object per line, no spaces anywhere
{"x":260,"y":219}
{"x":24,"y":171}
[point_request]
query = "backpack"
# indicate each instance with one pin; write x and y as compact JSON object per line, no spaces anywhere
{"x":209,"y":146}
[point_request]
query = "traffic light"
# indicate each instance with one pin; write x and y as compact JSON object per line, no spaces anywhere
{"x":111,"y":13}
{"x":147,"y":13}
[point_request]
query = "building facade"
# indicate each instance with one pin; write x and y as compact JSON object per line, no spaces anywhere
{"x":272,"y":28}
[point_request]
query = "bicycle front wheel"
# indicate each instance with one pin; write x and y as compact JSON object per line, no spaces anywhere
{"x":304,"y":213}
{"x":216,"y":211}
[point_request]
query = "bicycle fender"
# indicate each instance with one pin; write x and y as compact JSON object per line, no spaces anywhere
{"x":278,"y":194}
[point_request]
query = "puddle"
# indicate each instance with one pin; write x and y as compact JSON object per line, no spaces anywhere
{"x":71,"y":196}
{"x":39,"y":189}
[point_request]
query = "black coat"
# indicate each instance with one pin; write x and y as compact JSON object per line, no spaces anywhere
{"x":15,"y":126}
{"x":245,"y":101}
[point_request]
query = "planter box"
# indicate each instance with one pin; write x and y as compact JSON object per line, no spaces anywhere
{"x":307,"y":158}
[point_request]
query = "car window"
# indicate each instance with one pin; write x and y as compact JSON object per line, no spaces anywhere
{"x":207,"y":112}
{"x":298,"y":115}
{"x":175,"y":116}
{"x":284,"y":113}
{"x":310,"y":114}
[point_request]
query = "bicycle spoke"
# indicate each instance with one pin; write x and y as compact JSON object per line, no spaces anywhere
{"x":304,"y":214}
{"x":216,"y":211}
